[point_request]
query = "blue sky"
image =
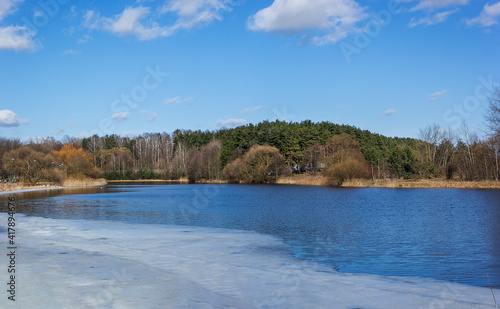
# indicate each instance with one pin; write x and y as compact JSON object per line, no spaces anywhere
{"x":126,"y":67}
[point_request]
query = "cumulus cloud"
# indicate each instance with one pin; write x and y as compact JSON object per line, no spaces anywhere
{"x":432,"y":19}
{"x":231,"y":123}
{"x":334,"y":19}
{"x":251,"y":109}
{"x":12,"y":37}
{"x":488,"y":17}
{"x":9,"y":119}
{"x":120,"y":116}
{"x":436,"y":95}
{"x":129,"y":22}
{"x":178,"y":100}
{"x":142,"y":23}
{"x":17,"y":38}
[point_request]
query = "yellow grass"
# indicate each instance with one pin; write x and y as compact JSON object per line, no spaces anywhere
{"x":424,"y":183}
{"x":70,"y":182}
{"x":305,"y":180}
{"x":311,"y":180}
{"x":181,"y":180}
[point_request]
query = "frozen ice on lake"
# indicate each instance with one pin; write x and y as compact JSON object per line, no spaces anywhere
{"x":107,"y":264}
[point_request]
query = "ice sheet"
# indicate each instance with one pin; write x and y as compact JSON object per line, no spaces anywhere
{"x":102,"y":264}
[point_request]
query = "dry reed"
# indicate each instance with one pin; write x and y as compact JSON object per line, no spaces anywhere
{"x":70,"y":182}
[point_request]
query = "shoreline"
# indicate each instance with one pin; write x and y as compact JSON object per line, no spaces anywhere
{"x":68,"y":184}
{"x":311,"y":180}
{"x":299,"y":180}
{"x":45,"y":189}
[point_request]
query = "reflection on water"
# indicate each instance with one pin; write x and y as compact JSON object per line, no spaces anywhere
{"x":448,"y":234}
{"x":38,"y":194}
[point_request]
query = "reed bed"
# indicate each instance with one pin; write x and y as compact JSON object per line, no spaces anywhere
{"x":70,"y":182}
{"x":311,"y":180}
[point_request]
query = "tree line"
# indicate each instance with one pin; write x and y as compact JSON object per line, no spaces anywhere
{"x":261,"y":153}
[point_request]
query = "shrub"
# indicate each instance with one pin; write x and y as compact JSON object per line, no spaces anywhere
{"x":348,"y":169}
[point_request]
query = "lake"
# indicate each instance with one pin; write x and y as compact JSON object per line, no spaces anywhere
{"x":444,"y":234}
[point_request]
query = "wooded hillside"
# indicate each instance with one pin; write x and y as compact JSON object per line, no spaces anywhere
{"x":334,"y":150}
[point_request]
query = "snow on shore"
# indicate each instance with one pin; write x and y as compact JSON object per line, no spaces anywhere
{"x":102,"y":264}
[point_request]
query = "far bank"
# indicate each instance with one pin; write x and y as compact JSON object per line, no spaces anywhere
{"x":319,"y":180}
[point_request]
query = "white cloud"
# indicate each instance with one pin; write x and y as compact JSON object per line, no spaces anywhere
{"x":488,"y":17}
{"x":71,"y":52}
{"x":191,"y":13}
{"x":120,"y":116}
{"x":336,"y":19}
{"x":9,"y":119}
{"x":16,"y":38}
{"x":432,"y":5}
{"x":128,"y":22}
{"x":436,"y":95}
{"x":140,"y":22}
{"x":432,"y":20}
{"x":390,"y":112}
{"x":7,"y":7}
{"x":231,"y":123}
{"x":251,"y":109}
{"x":151,"y":115}
{"x":178,"y":100}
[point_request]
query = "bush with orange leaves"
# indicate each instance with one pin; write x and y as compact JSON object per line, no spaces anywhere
{"x":76,"y":162}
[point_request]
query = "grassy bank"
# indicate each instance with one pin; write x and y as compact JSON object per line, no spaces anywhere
{"x":182,"y":180}
{"x":305,"y":180}
{"x":319,"y":180}
{"x":311,"y":180}
{"x":70,"y":182}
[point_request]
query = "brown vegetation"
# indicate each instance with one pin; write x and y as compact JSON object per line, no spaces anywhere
{"x":312,"y":180}
{"x":261,"y":164}
{"x":346,"y":170}
{"x":31,"y":166}
{"x":344,"y":160}
{"x":68,"y":183}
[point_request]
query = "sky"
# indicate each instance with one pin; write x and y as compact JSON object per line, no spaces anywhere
{"x":78,"y":68}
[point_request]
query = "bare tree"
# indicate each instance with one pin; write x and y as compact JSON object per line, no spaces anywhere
{"x":193,"y":168}
{"x":493,"y":121}
{"x":210,"y":160}
{"x":493,"y":113}
{"x":432,"y":136}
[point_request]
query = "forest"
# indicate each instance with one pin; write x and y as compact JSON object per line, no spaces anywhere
{"x":261,"y":153}
{"x":258,"y":153}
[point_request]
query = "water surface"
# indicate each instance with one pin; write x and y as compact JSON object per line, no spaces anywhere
{"x":446,"y":234}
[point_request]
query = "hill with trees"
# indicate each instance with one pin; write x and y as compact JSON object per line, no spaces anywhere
{"x":254,"y":154}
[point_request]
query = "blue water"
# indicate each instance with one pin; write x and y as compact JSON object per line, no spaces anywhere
{"x":446,"y":234}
